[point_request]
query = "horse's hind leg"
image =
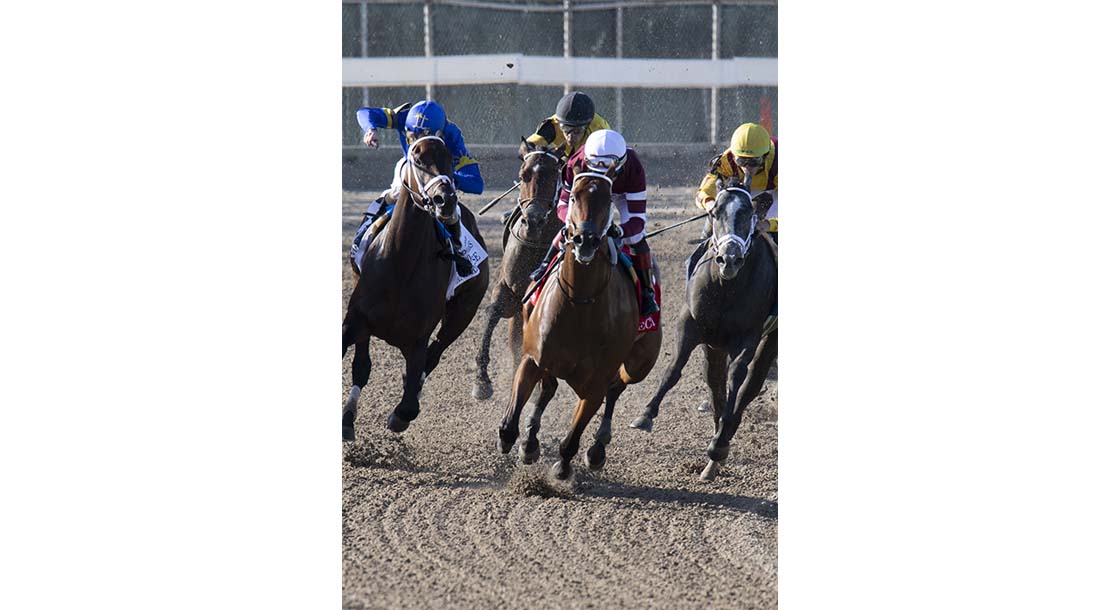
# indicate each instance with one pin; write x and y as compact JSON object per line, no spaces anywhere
{"x":409,"y":407}
{"x":530,"y":450}
{"x":457,"y":317}
{"x":596,"y":454}
{"x":688,"y":337}
{"x":585,"y":410}
{"x":527,"y":376}
{"x":500,"y":308}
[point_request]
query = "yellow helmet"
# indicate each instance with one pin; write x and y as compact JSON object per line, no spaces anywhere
{"x":750,"y":140}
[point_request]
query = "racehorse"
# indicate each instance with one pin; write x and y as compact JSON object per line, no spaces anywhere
{"x":527,"y":235}
{"x":584,"y":330}
{"x":400,"y":295}
{"x":731,"y":290}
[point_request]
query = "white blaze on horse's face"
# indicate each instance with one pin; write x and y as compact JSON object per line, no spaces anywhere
{"x":588,"y":236}
{"x":731,"y":231}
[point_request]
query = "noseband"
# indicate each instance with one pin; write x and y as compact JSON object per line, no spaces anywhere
{"x":421,"y":198}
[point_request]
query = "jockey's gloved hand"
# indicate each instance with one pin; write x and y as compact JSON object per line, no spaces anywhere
{"x":403,"y":108}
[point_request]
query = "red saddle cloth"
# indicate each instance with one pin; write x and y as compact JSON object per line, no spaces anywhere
{"x":645,"y":323}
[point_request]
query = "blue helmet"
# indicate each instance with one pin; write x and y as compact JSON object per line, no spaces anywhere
{"x":424,"y":118}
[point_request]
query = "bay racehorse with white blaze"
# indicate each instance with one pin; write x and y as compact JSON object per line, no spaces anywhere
{"x":584,"y":330}
{"x":401,"y":294}
{"x":731,"y":290}
{"x":526,"y":238}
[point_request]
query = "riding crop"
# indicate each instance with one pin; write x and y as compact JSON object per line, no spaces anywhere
{"x":675,"y":225}
{"x":498,"y":198}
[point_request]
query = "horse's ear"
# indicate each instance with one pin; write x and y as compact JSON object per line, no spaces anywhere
{"x":525,"y":148}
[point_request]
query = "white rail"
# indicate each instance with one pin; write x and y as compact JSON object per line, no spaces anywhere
{"x":577,"y":71}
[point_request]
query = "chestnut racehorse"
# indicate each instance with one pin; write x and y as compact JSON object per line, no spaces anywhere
{"x":527,"y":236}
{"x":584,"y":330}
{"x":400,"y":295}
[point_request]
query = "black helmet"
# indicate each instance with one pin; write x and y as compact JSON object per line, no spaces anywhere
{"x":576,"y":108}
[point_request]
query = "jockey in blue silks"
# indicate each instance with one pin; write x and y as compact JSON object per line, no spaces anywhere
{"x":424,"y":118}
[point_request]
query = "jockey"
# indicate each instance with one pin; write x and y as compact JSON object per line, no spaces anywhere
{"x":752,"y":160}
{"x":605,"y":152}
{"x":412,"y":122}
{"x":567,"y":130}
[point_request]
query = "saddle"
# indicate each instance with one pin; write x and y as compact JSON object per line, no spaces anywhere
{"x":645,"y":323}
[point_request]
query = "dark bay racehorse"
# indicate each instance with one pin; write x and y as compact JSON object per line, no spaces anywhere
{"x":584,"y":330}
{"x":730,"y":294}
{"x":400,"y":296}
{"x":528,"y":233}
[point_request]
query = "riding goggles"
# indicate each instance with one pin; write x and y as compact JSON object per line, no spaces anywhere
{"x":750,"y":161}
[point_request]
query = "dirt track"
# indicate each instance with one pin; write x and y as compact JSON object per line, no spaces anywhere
{"x":437,"y":517}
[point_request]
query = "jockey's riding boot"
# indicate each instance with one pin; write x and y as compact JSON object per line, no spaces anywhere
{"x":463,"y":266}
{"x":539,"y":272}
{"x":649,"y":299}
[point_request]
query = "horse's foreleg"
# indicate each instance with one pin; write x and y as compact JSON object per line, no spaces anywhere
{"x":409,"y":407}
{"x":596,"y":454}
{"x":585,"y":410}
{"x":763,"y":358}
{"x":688,"y":337}
{"x":516,"y":333}
{"x":715,"y":373}
{"x":530,"y":449}
{"x":457,"y":317}
{"x":527,"y":376}
{"x":359,"y":372}
{"x":498,"y":309}
{"x":739,"y":371}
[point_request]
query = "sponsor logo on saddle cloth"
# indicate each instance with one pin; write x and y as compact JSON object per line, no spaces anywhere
{"x":645,"y":323}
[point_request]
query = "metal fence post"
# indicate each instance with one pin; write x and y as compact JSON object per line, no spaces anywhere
{"x":428,"y":42}
{"x":363,"y":14}
{"x":713,"y":129}
{"x":567,"y":39}
{"x":618,"y":53}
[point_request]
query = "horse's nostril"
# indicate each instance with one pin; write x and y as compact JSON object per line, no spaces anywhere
{"x":578,"y":239}
{"x":438,"y":199}
{"x":719,"y":260}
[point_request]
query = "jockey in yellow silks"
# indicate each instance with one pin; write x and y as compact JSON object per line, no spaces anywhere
{"x":567,"y":130}
{"x":751,"y":160}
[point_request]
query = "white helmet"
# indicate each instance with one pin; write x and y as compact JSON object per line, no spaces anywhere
{"x":604,"y":150}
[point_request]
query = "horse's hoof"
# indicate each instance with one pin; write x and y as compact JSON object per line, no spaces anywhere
{"x":529,"y":452}
{"x":704,"y":407}
{"x":595,"y":456}
{"x":482,"y":391}
{"x":396,"y":424}
{"x":710,"y":471}
{"x":642,"y":423}
{"x":561,"y":471}
{"x":348,"y":433}
{"x":717,"y":453}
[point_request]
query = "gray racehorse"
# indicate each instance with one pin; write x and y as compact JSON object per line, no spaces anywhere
{"x":732,"y":287}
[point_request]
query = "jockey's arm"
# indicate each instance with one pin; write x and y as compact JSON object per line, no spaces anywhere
{"x":468,"y":178}
{"x":719,"y":169}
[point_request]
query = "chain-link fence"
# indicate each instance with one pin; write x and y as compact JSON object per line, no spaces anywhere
{"x":494,"y":116}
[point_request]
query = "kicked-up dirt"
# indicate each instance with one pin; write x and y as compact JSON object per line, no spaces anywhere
{"x":437,"y":517}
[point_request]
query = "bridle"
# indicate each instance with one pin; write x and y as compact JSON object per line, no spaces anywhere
{"x":714,"y":245}
{"x":570,"y":239}
{"x":421,"y":198}
{"x":569,"y":229}
{"x":550,"y":203}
